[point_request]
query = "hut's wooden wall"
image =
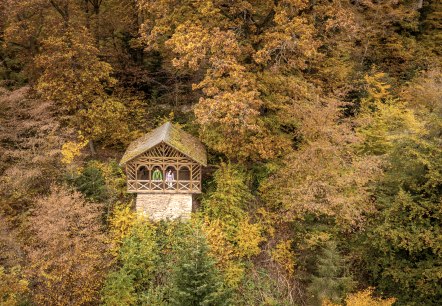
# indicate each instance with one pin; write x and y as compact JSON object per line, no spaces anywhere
{"x":139,"y":172}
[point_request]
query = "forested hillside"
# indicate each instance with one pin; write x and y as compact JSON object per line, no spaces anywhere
{"x":323,"y":124}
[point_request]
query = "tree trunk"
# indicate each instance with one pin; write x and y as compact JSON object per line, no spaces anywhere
{"x":92,"y":148}
{"x":88,"y":17}
{"x":420,"y":3}
{"x":96,"y":4}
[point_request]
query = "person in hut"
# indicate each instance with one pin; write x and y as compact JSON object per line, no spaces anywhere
{"x":157,"y":175}
{"x":170,"y":178}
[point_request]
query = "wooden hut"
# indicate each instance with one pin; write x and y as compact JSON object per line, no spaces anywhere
{"x":163,"y":168}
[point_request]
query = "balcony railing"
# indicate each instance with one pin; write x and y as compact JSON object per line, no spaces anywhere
{"x":156,"y":186}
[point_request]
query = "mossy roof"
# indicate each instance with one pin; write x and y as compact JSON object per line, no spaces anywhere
{"x":171,"y":135}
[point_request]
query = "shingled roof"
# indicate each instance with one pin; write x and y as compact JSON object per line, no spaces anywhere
{"x":171,"y":135}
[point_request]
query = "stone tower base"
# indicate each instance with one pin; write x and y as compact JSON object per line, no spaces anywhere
{"x":164,"y":206}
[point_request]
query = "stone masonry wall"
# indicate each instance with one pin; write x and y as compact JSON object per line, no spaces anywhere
{"x":164,"y":206}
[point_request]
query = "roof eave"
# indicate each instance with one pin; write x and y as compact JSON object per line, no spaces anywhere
{"x":204,"y":164}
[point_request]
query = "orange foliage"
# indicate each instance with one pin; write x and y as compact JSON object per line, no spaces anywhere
{"x":231,"y":52}
{"x":30,"y":142}
{"x":67,"y":255}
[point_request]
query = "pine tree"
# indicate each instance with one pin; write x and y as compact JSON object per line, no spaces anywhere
{"x":119,"y":289}
{"x":138,"y":257}
{"x":330,"y":283}
{"x":196,"y":280}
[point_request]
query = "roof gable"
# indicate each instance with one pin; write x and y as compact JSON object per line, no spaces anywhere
{"x":172,"y":136}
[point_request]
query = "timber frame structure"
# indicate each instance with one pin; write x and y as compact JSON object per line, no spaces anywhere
{"x":165,"y":148}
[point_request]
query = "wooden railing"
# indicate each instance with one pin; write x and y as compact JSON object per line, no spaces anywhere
{"x":152,"y":186}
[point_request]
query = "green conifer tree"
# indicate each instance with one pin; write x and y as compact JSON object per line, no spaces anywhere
{"x":119,"y":289}
{"x":330,"y":282}
{"x":138,"y":257}
{"x":196,"y":280}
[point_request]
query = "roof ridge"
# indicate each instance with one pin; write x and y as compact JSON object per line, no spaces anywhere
{"x":166,"y":131}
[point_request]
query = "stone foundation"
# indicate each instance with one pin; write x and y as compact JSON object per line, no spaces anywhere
{"x":164,"y":206}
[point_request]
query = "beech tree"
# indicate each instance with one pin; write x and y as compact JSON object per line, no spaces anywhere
{"x":67,"y":252}
{"x":275,"y":36}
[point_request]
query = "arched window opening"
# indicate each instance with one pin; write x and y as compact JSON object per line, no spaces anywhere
{"x":184,"y":174}
{"x":143,"y":173}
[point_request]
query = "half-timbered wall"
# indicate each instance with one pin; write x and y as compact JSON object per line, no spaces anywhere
{"x":186,"y":172}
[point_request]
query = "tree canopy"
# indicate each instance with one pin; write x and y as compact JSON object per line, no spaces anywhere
{"x":322,"y":121}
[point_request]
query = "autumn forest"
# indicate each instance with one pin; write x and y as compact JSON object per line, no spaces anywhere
{"x":322,"y":121}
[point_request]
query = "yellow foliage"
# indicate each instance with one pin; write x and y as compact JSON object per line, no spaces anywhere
{"x":363,"y":298}
{"x":223,"y":252}
{"x":425,"y":92}
{"x":284,"y":256}
{"x":234,"y":273}
{"x":71,"y":149}
{"x":121,"y":223}
{"x":315,"y":239}
{"x":12,"y":286}
{"x":267,"y":221}
{"x":105,"y":120}
{"x":376,"y":87}
{"x":232,"y":102}
{"x":73,"y":86}
{"x":248,"y":238}
{"x":389,"y":122}
{"x":220,"y":248}
{"x":329,"y":303}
